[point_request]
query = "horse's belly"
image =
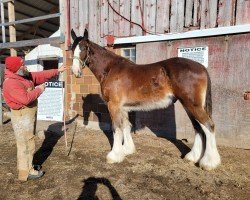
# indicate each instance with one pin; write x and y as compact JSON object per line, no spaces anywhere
{"x":150,"y":104}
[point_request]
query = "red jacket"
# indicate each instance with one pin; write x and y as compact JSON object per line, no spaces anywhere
{"x":19,"y":91}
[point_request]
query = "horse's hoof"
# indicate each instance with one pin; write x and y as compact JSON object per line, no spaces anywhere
{"x":210,"y":163}
{"x":113,"y":157}
{"x":191,"y":157}
{"x":128,"y":151}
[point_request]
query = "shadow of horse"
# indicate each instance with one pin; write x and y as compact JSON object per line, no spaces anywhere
{"x":90,"y":187}
{"x":139,"y":120}
{"x":53,"y":133}
{"x":94,"y":103}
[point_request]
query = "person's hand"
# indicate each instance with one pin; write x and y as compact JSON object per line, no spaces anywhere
{"x":42,"y":87}
{"x":62,"y":68}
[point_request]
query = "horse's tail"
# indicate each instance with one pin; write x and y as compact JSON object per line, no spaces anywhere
{"x":208,"y":104}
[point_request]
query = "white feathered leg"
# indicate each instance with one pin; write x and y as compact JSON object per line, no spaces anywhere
{"x":197,"y":150}
{"x":211,"y":158}
{"x":117,"y":154}
{"x":128,"y":146}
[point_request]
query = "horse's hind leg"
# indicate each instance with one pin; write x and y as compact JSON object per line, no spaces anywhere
{"x":211,"y":158}
{"x":128,"y":145}
{"x":116,"y":155}
{"x":198,"y":148}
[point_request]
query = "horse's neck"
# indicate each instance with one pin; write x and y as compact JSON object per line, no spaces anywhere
{"x":100,"y":61}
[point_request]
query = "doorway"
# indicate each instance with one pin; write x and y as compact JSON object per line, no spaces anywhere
{"x":50,"y":63}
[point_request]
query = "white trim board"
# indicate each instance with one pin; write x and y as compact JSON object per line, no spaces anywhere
{"x":186,"y":35}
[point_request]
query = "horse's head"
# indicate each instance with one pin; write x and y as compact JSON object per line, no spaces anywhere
{"x":80,"y":49}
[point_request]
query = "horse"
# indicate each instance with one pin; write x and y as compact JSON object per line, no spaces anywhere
{"x":126,"y":86}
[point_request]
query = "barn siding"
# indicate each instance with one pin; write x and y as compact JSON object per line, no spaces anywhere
{"x":104,"y":20}
{"x":242,"y":12}
{"x":162,"y":16}
{"x":150,"y":15}
{"x":136,"y":16}
{"x":83,"y":16}
{"x":155,"y":16}
{"x":189,"y":12}
{"x":212,"y":13}
{"x":226,"y":12}
{"x":94,"y":21}
{"x":74,"y":15}
{"x":125,"y":11}
{"x":196,"y":13}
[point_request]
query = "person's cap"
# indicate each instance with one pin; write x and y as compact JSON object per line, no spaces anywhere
{"x":13,"y":63}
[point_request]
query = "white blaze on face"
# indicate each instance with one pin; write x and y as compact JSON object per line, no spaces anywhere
{"x":76,"y":67}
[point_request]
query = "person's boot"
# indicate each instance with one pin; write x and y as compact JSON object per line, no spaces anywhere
{"x":36,"y":176}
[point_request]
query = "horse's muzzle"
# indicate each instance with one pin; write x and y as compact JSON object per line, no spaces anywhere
{"x":79,"y":75}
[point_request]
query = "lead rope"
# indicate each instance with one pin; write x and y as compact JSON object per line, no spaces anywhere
{"x":64,"y":119}
{"x":64,"y":125}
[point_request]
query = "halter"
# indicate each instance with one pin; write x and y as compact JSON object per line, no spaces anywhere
{"x":83,"y":63}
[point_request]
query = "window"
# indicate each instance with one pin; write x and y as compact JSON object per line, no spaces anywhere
{"x":49,"y":63}
{"x":129,"y":53}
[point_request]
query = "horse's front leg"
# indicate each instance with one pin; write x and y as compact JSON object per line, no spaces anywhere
{"x":128,"y":145}
{"x":117,"y":154}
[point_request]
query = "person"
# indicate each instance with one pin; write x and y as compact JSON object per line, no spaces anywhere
{"x":21,"y":90}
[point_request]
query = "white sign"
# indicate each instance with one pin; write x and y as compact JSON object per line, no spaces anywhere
{"x":198,"y":54}
{"x":50,"y":103}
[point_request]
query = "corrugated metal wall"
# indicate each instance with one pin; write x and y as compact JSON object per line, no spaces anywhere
{"x":229,"y":68}
{"x":155,"y":16}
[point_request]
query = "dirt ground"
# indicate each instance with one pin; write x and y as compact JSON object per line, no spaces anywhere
{"x":156,"y":171}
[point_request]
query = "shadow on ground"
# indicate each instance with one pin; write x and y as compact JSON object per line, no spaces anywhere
{"x":52,"y":135}
{"x":91,"y":185}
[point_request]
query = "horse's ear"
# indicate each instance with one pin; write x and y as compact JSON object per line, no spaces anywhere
{"x":86,"y":35}
{"x":73,"y":34}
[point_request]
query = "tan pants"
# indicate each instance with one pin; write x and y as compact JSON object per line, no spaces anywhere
{"x":23,"y":122}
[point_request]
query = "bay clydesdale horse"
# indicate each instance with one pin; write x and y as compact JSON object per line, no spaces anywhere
{"x":126,"y":86}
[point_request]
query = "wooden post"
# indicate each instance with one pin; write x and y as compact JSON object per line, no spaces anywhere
{"x":12,"y":29}
{"x":2,"y":21}
{"x":67,"y":61}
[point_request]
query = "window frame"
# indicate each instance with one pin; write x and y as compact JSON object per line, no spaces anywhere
{"x":131,"y":48}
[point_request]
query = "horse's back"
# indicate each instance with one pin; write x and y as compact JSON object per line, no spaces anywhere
{"x":178,"y":71}
{"x":175,"y":65}
{"x":183,"y":69}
